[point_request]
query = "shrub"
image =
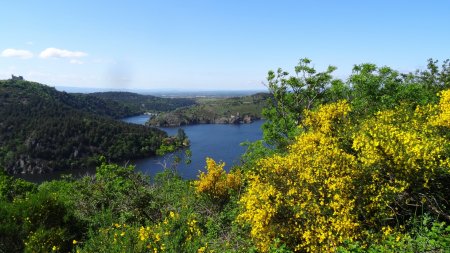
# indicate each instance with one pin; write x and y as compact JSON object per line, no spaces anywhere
{"x":216,"y":183}
{"x":324,"y":192}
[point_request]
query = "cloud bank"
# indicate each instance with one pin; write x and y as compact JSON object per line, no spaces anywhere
{"x":61,"y":53}
{"x":11,"y":52}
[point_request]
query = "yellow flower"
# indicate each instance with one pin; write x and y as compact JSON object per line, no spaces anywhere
{"x":387,"y":230}
{"x":74,"y":241}
{"x":216,"y":183}
{"x":144,"y":233}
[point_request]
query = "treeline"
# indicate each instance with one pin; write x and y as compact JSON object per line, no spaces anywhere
{"x":356,"y":166}
{"x":139,"y":103}
{"x":44,"y":130}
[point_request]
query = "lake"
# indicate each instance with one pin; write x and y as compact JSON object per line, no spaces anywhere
{"x":218,"y":141}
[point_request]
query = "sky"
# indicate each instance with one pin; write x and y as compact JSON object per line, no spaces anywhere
{"x":212,"y":45}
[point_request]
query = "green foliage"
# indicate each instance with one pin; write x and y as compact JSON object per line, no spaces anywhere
{"x":255,"y":151}
{"x":426,"y":235}
{"x":292,"y":95}
{"x":38,"y":222}
{"x":116,"y":194}
{"x":181,"y":135}
{"x":434,"y":77}
{"x":11,"y":188}
{"x":377,"y":88}
{"x":175,"y":226}
{"x":165,"y":149}
{"x":47,"y":240}
{"x":173,"y":143}
{"x":174,"y":193}
{"x":114,"y":238}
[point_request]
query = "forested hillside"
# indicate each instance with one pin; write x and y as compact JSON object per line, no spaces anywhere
{"x":24,"y":92}
{"x":43,"y":130}
{"x":233,"y":110}
{"x":144,"y":103}
{"x":355,"y":166}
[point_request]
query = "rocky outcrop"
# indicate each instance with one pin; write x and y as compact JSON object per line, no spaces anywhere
{"x":179,"y":120}
{"x":248,"y":119}
{"x":27,"y":165}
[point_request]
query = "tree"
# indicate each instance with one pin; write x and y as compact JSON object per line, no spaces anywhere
{"x":181,"y":136}
{"x":291,"y":95}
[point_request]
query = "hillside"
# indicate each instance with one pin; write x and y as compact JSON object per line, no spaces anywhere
{"x":143,"y":103}
{"x":234,"y":110}
{"x":43,"y":130}
{"x":24,"y":90}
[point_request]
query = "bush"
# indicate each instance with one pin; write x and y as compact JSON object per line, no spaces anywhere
{"x":325,"y":192}
{"x":216,"y":183}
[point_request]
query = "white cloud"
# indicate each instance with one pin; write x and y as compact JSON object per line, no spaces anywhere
{"x":11,"y":52}
{"x":75,"y":61}
{"x":61,"y":53}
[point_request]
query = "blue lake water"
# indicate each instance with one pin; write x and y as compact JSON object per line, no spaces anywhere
{"x":218,"y":141}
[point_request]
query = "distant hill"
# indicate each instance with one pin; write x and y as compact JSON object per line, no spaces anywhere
{"x":233,"y":110}
{"x":42,"y":129}
{"x":144,"y":103}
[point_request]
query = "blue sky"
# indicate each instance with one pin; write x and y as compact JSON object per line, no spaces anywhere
{"x":210,"y":45}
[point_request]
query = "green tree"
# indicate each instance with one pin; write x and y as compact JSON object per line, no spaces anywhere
{"x":373,"y":88}
{"x":181,"y":136}
{"x":291,"y":95}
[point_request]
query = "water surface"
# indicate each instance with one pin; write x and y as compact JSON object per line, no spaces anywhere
{"x":218,"y":141}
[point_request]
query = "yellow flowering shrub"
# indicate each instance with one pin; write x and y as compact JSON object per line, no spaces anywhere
{"x":341,"y":181}
{"x":305,"y":197}
{"x":443,"y":116}
{"x":216,"y":183}
{"x":327,"y":117}
{"x":400,"y":151}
